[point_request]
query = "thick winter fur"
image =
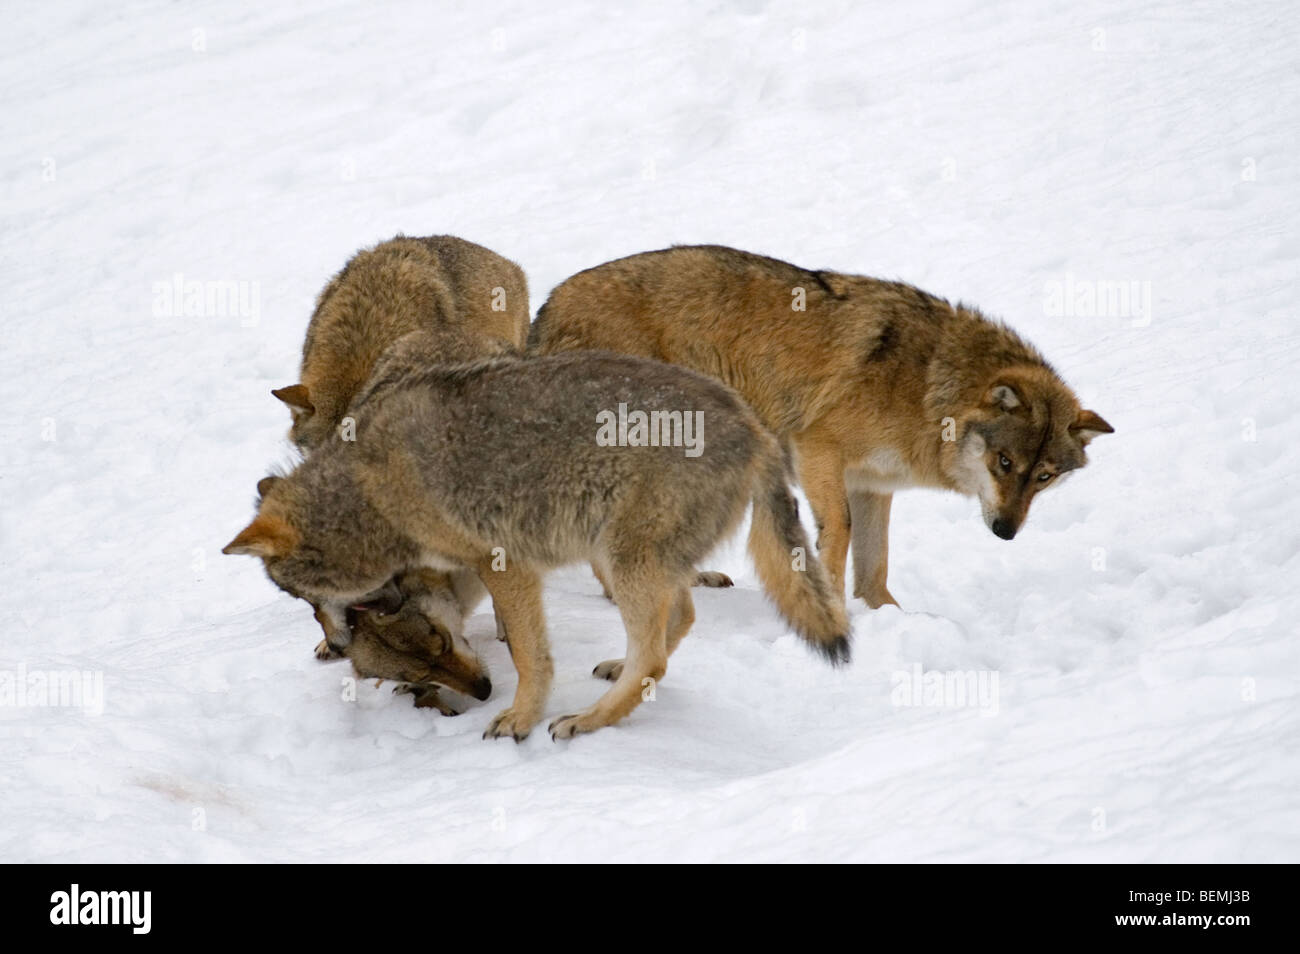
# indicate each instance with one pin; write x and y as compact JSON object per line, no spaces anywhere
{"x":876,"y":386}
{"x":446,"y":301}
{"x":497,"y":466}
{"x":471,"y":300}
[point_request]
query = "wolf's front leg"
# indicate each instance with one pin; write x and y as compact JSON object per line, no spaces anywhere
{"x":517,"y":597}
{"x":426,"y":697}
{"x":870,"y":516}
{"x":333,"y":622}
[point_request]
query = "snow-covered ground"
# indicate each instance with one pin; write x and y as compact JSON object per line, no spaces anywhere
{"x":1142,"y":628}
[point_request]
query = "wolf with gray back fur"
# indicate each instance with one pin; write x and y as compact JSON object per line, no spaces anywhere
{"x":497,"y":466}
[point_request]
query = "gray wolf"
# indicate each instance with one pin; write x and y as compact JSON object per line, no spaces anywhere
{"x":497,"y":466}
{"x":876,"y":386}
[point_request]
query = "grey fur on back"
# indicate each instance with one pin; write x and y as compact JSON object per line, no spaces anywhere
{"x":509,"y":448}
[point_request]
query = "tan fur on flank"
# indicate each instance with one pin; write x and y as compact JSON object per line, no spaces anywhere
{"x":875,"y":386}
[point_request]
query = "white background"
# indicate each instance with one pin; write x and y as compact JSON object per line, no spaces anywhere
{"x":1142,"y":626}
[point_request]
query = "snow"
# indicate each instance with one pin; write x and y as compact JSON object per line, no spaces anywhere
{"x":1141,"y":627}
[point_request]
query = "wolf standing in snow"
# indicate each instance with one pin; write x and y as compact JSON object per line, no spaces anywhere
{"x":448,"y":301}
{"x":876,"y":386}
{"x":454,"y":466}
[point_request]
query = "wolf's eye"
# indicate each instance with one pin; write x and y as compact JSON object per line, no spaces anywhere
{"x":1044,"y":478}
{"x":1005,"y":463}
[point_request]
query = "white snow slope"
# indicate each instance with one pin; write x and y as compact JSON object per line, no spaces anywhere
{"x":1141,"y":628}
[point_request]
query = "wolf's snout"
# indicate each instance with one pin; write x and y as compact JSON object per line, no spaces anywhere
{"x":1004,"y":528}
{"x":482,"y":688}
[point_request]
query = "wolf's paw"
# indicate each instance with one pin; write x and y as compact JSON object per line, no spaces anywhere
{"x":510,"y":724}
{"x":567,"y":727}
{"x":875,"y":598}
{"x":610,"y":669}
{"x":576,"y":724}
{"x":426,"y":697}
{"x":324,"y":653}
{"x":712,"y":578}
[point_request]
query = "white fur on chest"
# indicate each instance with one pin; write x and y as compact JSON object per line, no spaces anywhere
{"x":883,"y":471}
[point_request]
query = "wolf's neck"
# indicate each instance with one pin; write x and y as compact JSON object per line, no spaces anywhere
{"x":971,"y":353}
{"x":343,"y":513}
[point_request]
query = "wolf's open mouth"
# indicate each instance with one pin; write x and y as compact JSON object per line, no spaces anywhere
{"x":386,"y":600}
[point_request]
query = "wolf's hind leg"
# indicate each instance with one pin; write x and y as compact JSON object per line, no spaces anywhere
{"x":708,"y":578}
{"x":645,"y":608}
{"x":604,"y":581}
{"x":870,"y":528}
{"x":679,"y":623}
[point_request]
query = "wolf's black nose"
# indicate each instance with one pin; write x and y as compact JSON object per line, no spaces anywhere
{"x":1003,"y":528}
{"x":482,"y":688}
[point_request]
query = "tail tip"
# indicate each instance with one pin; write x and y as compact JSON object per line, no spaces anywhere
{"x":837,"y":651}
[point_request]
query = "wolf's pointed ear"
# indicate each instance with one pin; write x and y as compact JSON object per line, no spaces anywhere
{"x":1004,"y":396}
{"x":266,"y":536}
{"x":1088,"y":425}
{"x":266,"y":483}
{"x":295,"y":395}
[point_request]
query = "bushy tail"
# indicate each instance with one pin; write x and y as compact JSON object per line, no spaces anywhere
{"x":790,"y":572}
